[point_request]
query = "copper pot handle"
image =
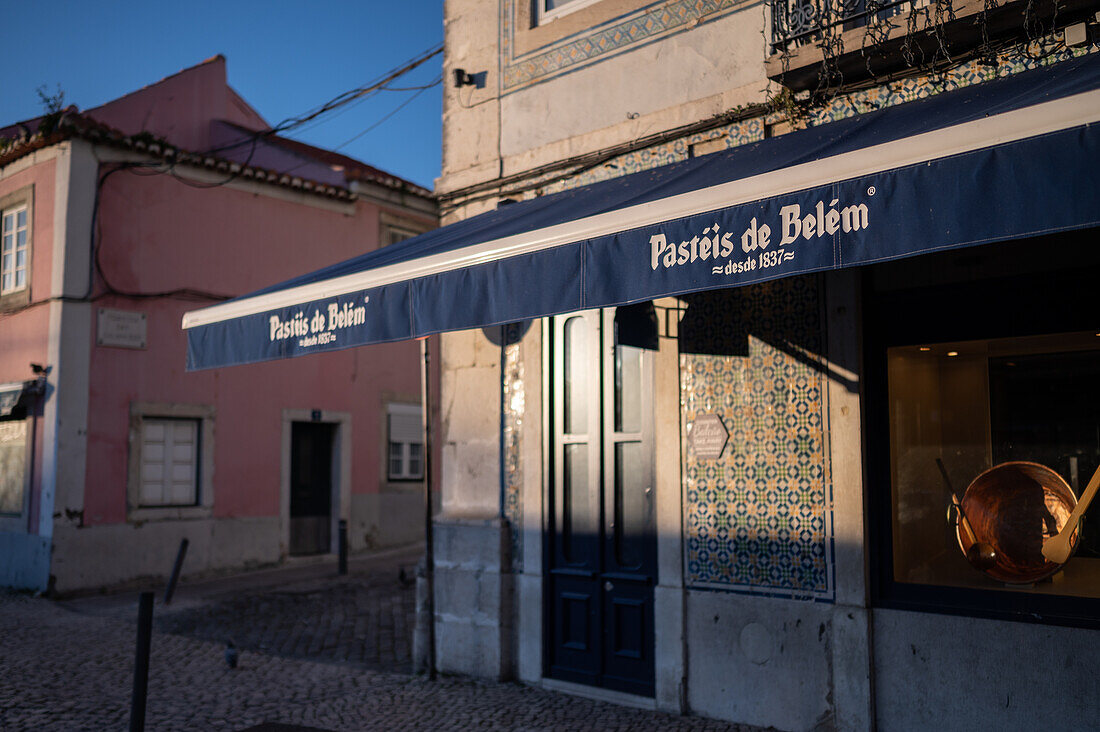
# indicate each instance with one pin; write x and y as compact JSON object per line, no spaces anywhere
{"x":1057,"y":548}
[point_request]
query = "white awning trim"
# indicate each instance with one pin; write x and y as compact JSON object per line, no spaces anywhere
{"x":1019,"y":124}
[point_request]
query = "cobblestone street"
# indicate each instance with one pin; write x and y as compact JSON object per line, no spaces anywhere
{"x":316,"y":650}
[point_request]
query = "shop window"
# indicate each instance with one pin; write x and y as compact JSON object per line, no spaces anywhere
{"x":13,"y":466}
{"x":982,"y":424}
{"x":1015,"y":425}
{"x":405,"y":454}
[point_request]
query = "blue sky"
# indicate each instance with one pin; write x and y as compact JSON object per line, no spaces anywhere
{"x":284,"y":58}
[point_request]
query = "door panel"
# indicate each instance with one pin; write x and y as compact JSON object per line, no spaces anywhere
{"x":311,"y":445}
{"x":602,"y":539}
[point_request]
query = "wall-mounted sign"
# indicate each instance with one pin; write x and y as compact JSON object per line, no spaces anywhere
{"x":708,"y":436}
{"x":121,"y":328}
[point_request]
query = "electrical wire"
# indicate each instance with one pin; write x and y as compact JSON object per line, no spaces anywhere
{"x":339,"y":102}
{"x":353,"y":94}
{"x":397,"y":109}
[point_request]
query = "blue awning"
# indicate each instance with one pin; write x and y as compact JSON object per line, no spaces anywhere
{"x":1010,"y":158}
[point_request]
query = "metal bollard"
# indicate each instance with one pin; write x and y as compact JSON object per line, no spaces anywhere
{"x":342,"y":547}
{"x":141,"y":662}
{"x":171,"y":588}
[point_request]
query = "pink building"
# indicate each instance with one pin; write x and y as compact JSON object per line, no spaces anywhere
{"x":117,"y":220}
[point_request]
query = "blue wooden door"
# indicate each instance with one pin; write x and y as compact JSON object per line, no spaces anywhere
{"x":602,"y":539}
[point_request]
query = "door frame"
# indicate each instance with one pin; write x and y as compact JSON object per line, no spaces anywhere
{"x":341,"y":472}
{"x":669,"y":597}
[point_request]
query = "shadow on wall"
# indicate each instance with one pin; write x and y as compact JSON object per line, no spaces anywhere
{"x":719,"y":323}
{"x":757,"y":516}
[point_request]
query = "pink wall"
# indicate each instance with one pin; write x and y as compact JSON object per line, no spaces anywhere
{"x":181,"y":107}
{"x":24,"y":334}
{"x":160,"y":235}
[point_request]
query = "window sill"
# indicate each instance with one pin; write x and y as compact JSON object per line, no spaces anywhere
{"x":530,"y":36}
{"x":13,"y":523}
{"x":404,"y":484}
{"x":15,"y":300}
{"x":168,"y":513}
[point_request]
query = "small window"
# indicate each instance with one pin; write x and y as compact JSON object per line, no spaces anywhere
{"x":551,"y":9}
{"x":14,"y":272}
{"x":13,"y":466}
{"x":169,"y":462}
{"x":405,"y":456}
{"x":394,"y":234}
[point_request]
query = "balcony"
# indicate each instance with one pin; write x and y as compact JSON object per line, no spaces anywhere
{"x":878,"y":38}
{"x":797,"y":23}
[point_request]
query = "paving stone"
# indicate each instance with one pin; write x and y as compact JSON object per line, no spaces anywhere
{"x":69,"y":666}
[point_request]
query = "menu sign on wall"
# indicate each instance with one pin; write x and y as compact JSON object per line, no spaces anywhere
{"x":708,"y":436}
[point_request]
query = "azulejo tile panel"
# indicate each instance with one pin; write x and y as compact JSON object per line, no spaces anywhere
{"x":850,"y":105}
{"x":919,"y":87}
{"x":654,"y":21}
{"x":758,"y":519}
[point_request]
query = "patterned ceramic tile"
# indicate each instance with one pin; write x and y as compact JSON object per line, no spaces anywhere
{"x":657,"y":20}
{"x":758,"y":519}
{"x":850,"y":105}
{"x":734,"y":134}
{"x":920,"y":87}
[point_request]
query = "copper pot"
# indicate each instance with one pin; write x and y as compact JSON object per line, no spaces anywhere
{"x":1015,"y":507}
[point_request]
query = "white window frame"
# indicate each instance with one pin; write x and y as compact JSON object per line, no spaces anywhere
{"x":178,"y":440}
{"x":395,"y":234}
{"x":11,"y":205}
{"x":142,"y":413}
{"x":545,"y":16}
{"x":405,"y":413}
{"x":394,"y":228}
{"x":10,"y":249}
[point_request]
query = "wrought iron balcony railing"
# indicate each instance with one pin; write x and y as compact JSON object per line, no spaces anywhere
{"x":800,"y":22}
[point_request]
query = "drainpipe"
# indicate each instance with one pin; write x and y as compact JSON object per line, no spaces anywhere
{"x":500,"y":431}
{"x":37,"y":389}
{"x":429,"y":549}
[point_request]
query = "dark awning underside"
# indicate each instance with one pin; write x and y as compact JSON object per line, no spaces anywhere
{"x":1009,"y":158}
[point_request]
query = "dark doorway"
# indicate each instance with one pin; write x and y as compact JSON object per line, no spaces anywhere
{"x":602,"y":540}
{"x":311,"y":473}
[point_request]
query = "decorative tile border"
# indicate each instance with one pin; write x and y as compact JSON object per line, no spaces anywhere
{"x":753,"y":523}
{"x":850,"y":105}
{"x":759,"y":518}
{"x":655,"y":21}
{"x":920,"y":87}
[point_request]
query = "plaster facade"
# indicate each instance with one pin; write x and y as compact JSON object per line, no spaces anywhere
{"x":764,"y":599}
{"x":167,"y":236}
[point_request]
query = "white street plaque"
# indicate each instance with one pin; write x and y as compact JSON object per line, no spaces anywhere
{"x":121,"y":328}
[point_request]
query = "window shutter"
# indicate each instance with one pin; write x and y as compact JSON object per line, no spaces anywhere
{"x":168,"y":459}
{"x":406,"y":427}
